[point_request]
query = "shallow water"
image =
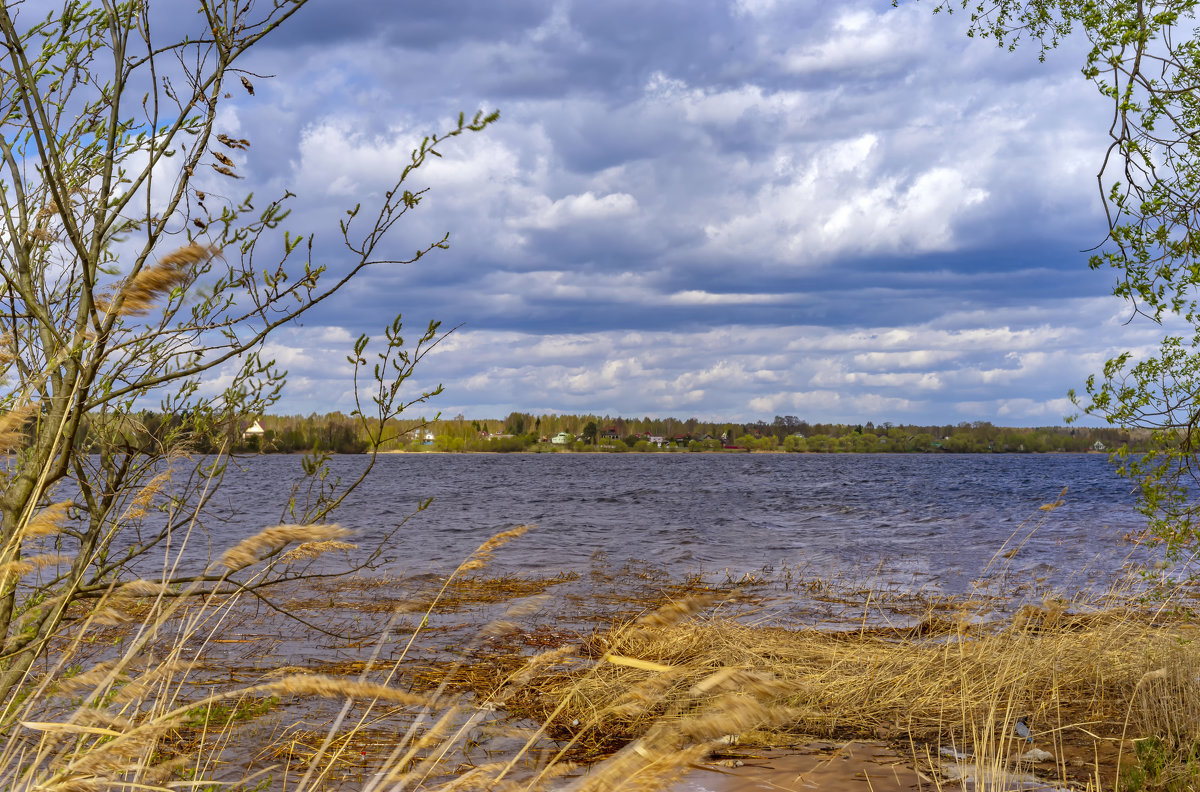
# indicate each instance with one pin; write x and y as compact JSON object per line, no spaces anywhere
{"x":913,"y":520}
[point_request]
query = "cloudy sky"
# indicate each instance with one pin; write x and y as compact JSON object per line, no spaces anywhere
{"x":713,"y":208}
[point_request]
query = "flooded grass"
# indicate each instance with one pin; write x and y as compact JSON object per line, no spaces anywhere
{"x":630,"y":671}
{"x":388,"y":594}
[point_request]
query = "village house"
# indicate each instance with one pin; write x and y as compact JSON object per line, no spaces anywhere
{"x":255,"y":431}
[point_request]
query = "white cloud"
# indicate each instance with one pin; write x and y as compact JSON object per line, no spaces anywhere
{"x":899,"y":381}
{"x":723,"y":107}
{"x":701,"y":297}
{"x":288,"y":357}
{"x":916,"y":358}
{"x":1052,"y":409}
{"x":863,"y":40}
{"x":874,"y":211}
{"x":1020,"y":411}
{"x":825,"y":402}
{"x":587,"y":207}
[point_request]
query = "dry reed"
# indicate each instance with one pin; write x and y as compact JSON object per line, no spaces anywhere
{"x":12,"y":426}
{"x":483,"y":554}
{"x":851,"y":684}
{"x":24,"y":566}
{"x":143,"y":290}
{"x":338,"y":688}
{"x":145,"y":496}
{"x":310,"y":550}
{"x":47,"y":521}
{"x":250,"y":550}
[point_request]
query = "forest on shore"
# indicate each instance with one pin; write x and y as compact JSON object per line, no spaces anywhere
{"x":525,"y":432}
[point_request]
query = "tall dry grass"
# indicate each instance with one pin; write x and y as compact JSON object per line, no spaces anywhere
{"x":1093,"y":679}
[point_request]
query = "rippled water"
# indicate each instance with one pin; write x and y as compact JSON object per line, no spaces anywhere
{"x":927,"y":520}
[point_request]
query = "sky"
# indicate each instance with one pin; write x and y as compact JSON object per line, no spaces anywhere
{"x":722,"y":209}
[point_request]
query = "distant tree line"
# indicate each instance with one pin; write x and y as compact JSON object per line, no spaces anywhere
{"x":344,"y":434}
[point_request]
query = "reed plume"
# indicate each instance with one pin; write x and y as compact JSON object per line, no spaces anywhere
{"x":47,"y":521}
{"x":483,"y":554}
{"x":145,"y":496}
{"x":323,"y":686}
{"x":678,"y":610}
{"x":310,"y":550}
{"x":172,"y":270}
{"x":251,"y":550}
{"x":12,"y":426}
{"x":97,"y":675}
{"x":140,"y":588}
{"x":22,"y":567}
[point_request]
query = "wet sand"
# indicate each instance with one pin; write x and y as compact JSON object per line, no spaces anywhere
{"x":846,"y":767}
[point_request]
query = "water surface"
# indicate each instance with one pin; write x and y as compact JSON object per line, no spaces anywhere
{"x":920,"y":519}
